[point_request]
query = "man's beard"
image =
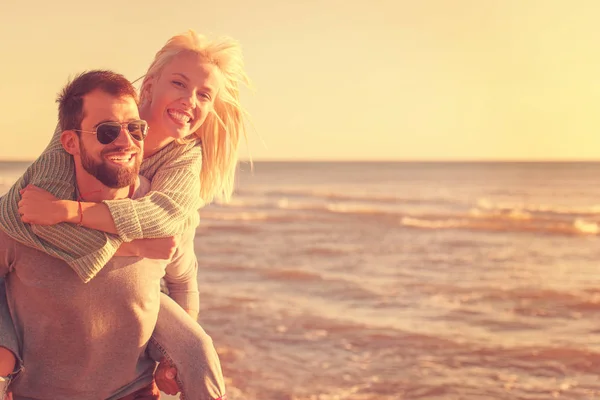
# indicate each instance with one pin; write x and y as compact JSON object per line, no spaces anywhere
{"x":111,"y":176}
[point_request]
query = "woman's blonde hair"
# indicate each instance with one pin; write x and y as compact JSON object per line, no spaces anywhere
{"x":223,"y":128}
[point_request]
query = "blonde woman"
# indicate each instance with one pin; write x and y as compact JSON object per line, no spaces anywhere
{"x":190,"y":99}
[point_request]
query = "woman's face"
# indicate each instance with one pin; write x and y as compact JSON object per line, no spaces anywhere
{"x":182,"y":96}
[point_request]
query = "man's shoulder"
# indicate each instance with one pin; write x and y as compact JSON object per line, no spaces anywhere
{"x":8,"y":242}
{"x":14,"y":249}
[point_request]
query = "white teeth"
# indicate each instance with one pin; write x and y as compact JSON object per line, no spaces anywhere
{"x":179,"y":116}
{"x":120,"y":159}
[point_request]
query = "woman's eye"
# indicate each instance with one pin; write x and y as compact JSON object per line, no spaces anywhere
{"x":177,"y":83}
{"x":204,"y":96}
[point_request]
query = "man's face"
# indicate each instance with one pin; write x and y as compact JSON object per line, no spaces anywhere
{"x":116,"y":164}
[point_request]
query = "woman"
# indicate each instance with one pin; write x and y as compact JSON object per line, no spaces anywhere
{"x":190,"y":98}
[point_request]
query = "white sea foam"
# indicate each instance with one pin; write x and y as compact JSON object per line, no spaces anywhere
{"x":586,"y":227}
{"x":521,"y":207}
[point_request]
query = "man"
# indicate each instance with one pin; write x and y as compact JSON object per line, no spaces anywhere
{"x":88,"y":341}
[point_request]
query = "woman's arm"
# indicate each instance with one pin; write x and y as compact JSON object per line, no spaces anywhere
{"x":85,"y":250}
{"x":40,"y":207}
{"x":169,"y":209}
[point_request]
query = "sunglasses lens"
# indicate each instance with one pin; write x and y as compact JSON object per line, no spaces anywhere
{"x":108,"y":132}
{"x":137,"y":129}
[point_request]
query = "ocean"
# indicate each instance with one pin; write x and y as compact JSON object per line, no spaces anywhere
{"x":367,"y":280}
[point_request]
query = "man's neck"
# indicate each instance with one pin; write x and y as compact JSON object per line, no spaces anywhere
{"x":91,"y":189}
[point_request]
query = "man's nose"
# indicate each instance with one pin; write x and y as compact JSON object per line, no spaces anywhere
{"x":124,"y":139}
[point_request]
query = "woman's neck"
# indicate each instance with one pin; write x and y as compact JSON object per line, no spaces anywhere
{"x":154,"y":142}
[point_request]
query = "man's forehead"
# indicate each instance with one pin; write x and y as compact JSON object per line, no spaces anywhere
{"x":99,"y":105}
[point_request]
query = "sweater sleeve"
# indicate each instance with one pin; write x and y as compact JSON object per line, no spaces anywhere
{"x":171,"y":207}
{"x":85,"y":250}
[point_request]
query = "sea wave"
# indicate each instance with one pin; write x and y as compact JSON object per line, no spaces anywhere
{"x":322,"y":194}
{"x":286,"y":211}
{"x":292,"y":275}
{"x":251,"y":196}
{"x":521,"y":301}
{"x":541,"y":208}
{"x":509,"y":223}
{"x":476,"y":219}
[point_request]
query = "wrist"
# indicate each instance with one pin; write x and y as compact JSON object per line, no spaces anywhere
{"x":70,"y":211}
{"x":128,"y":250}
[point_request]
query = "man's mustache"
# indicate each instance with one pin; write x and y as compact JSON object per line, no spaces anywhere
{"x":121,"y":150}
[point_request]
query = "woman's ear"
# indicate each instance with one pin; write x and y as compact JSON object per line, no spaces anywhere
{"x":146,"y":94}
{"x":70,"y":142}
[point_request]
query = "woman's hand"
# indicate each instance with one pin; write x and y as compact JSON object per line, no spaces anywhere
{"x":40,"y":207}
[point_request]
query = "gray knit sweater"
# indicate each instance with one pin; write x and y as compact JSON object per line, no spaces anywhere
{"x":87,"y":341}
{"x":169,"y":209}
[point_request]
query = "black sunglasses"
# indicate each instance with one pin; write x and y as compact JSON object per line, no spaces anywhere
{"x":108,"y":132}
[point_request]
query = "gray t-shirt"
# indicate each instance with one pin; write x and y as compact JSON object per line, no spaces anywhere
{"x":87,"y":340}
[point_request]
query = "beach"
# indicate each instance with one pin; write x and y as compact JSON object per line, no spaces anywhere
{"x":364,"y":281}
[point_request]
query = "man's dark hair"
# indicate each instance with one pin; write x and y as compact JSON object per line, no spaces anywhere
{"x":70,"y":99}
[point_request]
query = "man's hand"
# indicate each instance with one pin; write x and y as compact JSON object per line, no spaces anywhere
{"x":165,"y":378}
{"x":40,"y":207}
{"x":157,"y":249}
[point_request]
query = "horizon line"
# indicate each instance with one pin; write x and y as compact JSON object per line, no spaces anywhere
{"x":424,"y":160}
{"x":428,"y":160}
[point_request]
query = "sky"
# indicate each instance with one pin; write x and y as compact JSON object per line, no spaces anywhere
{"x":338,"y":80}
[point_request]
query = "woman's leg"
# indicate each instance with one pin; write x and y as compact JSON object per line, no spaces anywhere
{"x":182,"y":342}
{"x":10,"y":362}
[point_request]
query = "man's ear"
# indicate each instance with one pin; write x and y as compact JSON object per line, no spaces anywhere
{"x":70,"y":142}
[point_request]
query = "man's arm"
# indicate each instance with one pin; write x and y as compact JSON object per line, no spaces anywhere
{"x":182,"y":276}
{"x":7,"y":255}
{"x":8,"y":339}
